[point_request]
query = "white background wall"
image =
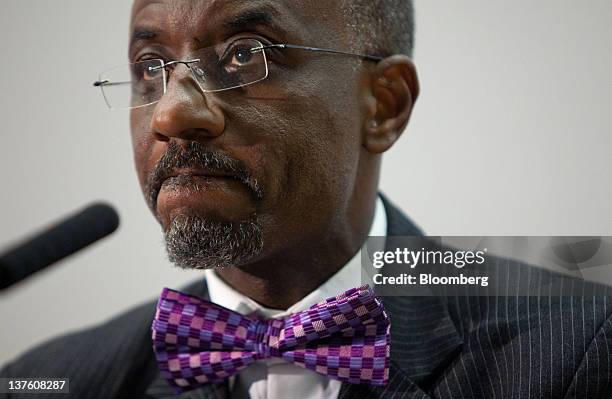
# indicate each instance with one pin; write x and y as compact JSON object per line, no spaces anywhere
{"x":512,"y":136}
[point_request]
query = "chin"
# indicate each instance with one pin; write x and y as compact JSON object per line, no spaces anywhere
{"x":197,"y":242}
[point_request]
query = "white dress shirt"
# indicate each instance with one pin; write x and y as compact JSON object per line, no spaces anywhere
{"x":276,"y":378}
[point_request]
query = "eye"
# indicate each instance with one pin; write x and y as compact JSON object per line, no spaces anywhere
{"x":147,"y":70}
{"x":238,"y":56}
{"x":242,"y":62}
{"x":152,"y":72}
{"x":242,"y":56}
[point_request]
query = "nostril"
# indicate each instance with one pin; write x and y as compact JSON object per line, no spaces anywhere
{"x":160,"y":137}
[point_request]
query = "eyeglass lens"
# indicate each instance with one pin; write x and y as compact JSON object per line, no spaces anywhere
{"x":216,"y":68}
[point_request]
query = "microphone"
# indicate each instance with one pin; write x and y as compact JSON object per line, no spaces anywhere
{"x":57,"y":242}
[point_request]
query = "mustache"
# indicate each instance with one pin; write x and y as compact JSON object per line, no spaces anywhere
{"x":196,"y":155}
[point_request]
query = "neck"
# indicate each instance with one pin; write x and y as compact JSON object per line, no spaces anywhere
{"x":280,"y":281}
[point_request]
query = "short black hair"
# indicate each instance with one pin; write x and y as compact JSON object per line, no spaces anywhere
{"x":381,"y":27}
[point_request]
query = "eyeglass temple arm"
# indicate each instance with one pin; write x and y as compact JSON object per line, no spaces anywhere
{"x":322,"y":50}
{"x":107,"y":82}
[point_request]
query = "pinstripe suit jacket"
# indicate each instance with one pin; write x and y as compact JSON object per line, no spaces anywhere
{"x":442,"y":347}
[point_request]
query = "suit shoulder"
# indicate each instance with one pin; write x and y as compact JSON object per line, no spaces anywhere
{"x":544,"y":292}
{"x":90,"y":357}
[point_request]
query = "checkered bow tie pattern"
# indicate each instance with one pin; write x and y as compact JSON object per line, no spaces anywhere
{"x":346,"y":337}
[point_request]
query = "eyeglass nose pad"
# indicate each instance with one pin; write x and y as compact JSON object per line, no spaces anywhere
{"x":199,"y":72}
{"x":199,"y":76}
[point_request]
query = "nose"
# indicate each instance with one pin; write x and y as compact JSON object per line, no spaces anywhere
{"x":184,"y":111}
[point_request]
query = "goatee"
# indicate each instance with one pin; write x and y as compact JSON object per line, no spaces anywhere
{"x":193,"y":242}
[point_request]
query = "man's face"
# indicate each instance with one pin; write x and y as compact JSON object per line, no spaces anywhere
{"x":272,"y":165}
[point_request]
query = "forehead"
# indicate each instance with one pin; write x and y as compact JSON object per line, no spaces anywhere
{"x":200,"y":17}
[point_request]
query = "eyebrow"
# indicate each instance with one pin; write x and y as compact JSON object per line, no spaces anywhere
{"x":143,"y":34}
{"x":264,"y":16}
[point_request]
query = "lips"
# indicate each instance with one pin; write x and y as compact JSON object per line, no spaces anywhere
{"x":194,"y":182}
{"x":190,"y":177}
{"x":216,"y":196}
{"x":185,"y":176}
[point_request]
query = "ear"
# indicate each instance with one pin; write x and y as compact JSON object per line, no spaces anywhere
{"x":391,"y":95}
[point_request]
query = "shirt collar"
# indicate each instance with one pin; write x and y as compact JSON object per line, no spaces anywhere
{"x":349,"y":276}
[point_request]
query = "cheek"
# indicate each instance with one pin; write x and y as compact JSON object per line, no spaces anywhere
{"x":329,"y":141}
{"x":327,"y":154}
{"x":141,"y":141}
{"x":314,"y":140}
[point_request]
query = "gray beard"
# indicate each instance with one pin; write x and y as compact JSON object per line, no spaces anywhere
{"x":193,"y":242}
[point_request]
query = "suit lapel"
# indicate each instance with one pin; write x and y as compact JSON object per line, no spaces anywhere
{"x":423,"y":336}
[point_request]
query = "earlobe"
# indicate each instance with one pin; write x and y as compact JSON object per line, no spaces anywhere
{"x":380,"y":136}
{"x":393,"y":89}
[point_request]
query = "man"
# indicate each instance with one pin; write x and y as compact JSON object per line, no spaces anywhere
{"x":258,"y":129}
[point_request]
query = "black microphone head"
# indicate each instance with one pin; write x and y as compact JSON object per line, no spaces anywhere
{"x":57,"y":242}
{"x":104,"y":219}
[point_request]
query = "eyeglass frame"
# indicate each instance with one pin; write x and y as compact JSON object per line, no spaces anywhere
{"x":282,"y":46}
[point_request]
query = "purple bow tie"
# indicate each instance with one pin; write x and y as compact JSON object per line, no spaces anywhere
{"x":197,"y":342}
